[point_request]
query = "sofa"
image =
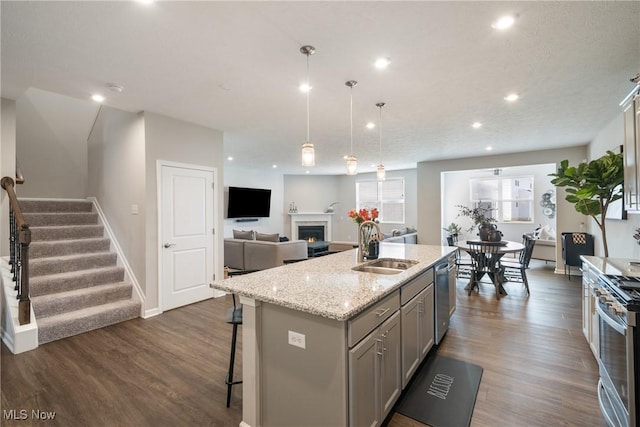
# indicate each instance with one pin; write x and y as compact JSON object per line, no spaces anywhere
{"x":250,"y":254}
{"x":406,"y":235}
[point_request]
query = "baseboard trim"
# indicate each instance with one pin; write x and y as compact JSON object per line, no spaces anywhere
{"x":121,"y":257}
{"x":151,"y":313}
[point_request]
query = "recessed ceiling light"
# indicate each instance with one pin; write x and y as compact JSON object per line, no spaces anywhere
{"x":305,"y":87}
{"x":306,"y":172}
{"x":274,"y":166}
{"x":504,"y":22}
{"x":371,"y":125}
{"x":489,"y":148}
{"x":476,"y":125}
{"x":113,"y":87}
{"x":97,"y":97}
{"x":230,"y":158}
{"x":145,"y":1}
{"x":382,"y":63}
{"x":511,"y":97}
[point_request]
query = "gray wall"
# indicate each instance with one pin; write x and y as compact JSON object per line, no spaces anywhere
{"x":315,"y":193}
{"x":52,"y":131}
{"x":116,"y":150}
{"x":619,"y":232}
{"x":430,"y":186}
{"x":177,"y":141}
{"x":7,"y":166}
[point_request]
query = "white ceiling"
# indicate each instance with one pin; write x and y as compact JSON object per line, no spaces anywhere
{"x":236,"y":67}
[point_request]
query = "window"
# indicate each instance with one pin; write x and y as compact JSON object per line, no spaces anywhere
{"x":387,"y":196}
{"x":512,"y":198}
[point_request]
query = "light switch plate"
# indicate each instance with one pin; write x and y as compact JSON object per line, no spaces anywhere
{"x":297,"y":339}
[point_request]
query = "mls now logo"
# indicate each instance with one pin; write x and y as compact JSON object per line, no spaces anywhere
{"x":23,"y":414}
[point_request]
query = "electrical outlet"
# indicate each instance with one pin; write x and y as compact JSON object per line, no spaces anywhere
{"x":134,"y":209}
{"x":297,"y":339}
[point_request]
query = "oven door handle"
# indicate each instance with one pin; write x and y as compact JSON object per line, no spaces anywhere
{"x":611,"y":322}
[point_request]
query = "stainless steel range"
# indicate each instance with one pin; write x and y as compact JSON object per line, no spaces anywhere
{"x":618,"y":304}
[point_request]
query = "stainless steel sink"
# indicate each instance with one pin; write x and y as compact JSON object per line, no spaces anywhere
{"x":385,"y":266}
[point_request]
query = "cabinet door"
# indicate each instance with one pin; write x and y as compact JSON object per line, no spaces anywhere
{"x":586,"y":303}
{"x":630,"y":148}
{"x":427,"y":322}
{"x":410,"y":337}
{"x":364,"y":394}
{"x":391,"y":369}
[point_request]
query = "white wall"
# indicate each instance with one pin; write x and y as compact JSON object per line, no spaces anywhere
{"x":7,"y":166}
{"x":52,"y":132}
{"x":456,"y":191}
{"x":429,"y":188}
{"x":619,"y":232}
{"x":251,"y":178}
{"x":116,"y":150}
{"x":177,"y":141}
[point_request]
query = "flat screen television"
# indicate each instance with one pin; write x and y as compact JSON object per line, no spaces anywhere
{"x":248,"y":202}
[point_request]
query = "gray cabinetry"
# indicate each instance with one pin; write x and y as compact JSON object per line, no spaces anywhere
{"x":374,"y":374}
{"x":452,"y":285}
{"x":417,"y":331}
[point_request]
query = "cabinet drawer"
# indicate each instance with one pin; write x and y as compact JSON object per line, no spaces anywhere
{"x":369,"y":319}
{"x":416,"y":285}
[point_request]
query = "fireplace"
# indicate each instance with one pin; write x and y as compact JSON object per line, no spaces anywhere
{"x":311,"y":219}
{"x":311,"y":233}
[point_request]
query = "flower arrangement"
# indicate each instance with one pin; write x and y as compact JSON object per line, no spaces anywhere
{"x":637,"y":236}
{"x":481,"y":214}
{"x":364,"y":215}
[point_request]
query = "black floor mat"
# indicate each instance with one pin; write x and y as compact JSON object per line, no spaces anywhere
{"x":443,"y":393}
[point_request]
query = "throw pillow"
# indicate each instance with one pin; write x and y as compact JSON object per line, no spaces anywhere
{"x":268,"y":237}
{"x":242,"y":234}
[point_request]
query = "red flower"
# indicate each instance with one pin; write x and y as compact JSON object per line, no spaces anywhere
{"x":364,"y":215}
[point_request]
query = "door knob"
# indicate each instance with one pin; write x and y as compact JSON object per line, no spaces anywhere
{"x":168,"y":245}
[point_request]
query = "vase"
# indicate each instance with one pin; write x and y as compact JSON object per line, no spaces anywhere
{"x":485,"y":229}
{"x":367,"y":232}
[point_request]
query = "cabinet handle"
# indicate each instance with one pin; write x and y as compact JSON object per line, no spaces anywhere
{"x":382,"y":311}
{"x":378,"y":352}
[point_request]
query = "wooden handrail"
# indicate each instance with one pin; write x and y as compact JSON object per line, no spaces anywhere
{"x":20,"y":238}
{"x":7,"y":184}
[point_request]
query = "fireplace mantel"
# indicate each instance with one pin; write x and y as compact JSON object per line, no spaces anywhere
{"x":311,"y":218}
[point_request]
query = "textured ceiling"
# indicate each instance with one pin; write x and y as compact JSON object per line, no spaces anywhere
{"x":236,"y":66}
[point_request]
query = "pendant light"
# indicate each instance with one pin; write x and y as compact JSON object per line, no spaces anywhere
{"x":380,"y":173}
{"x":308,"y":152}
{"x":352,"y":161}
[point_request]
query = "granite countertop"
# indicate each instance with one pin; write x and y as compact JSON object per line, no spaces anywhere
{"x":617,"y":266}
{"x":326,"y":286}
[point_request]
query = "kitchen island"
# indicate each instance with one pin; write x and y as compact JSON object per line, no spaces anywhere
{"x":322,"y":343}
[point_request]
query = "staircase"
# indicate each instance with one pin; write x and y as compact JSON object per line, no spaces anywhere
{"x":75,"y":283}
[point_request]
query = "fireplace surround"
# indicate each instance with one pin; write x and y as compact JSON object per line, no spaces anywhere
{"x":311,"y":219}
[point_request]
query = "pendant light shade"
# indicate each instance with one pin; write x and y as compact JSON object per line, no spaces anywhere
{"x":352,"y":161}
{"x":308,"y":152}
{"x":380,"y":172}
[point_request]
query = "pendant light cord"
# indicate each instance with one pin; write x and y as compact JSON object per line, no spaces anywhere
{"x":308,"y":93}
{"x":380,"y":130}
{"x":351,"y":119}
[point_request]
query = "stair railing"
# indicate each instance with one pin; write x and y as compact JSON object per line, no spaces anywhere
{"x":19,"y":240}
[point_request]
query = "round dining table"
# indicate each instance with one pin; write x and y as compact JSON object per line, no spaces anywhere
{"x":504,"y":247}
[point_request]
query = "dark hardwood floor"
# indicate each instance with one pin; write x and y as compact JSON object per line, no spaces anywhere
{"x":169,"y":370}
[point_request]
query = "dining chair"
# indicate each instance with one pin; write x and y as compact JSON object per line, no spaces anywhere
{"x":516,"y":270}
{"x":485,"y":259}
{"x":463,"y":262}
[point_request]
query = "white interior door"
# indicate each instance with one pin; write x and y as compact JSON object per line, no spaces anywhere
{"x":186,"y":235}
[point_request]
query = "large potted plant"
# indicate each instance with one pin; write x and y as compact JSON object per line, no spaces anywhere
{"x":592,"y":187}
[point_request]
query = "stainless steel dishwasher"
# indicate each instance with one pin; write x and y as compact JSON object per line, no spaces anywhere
{"x":442,"y":299}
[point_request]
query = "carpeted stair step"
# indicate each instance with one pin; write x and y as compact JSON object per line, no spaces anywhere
{"x":60,"y":218}
{"x":62,"y":282}
{"x":33,"y":205}
{"x":65,"y":232}
{"x":87,"y":319}
{"x":61,"y":302}
{"x":68,"y":247}
{"x":61,"y":264}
